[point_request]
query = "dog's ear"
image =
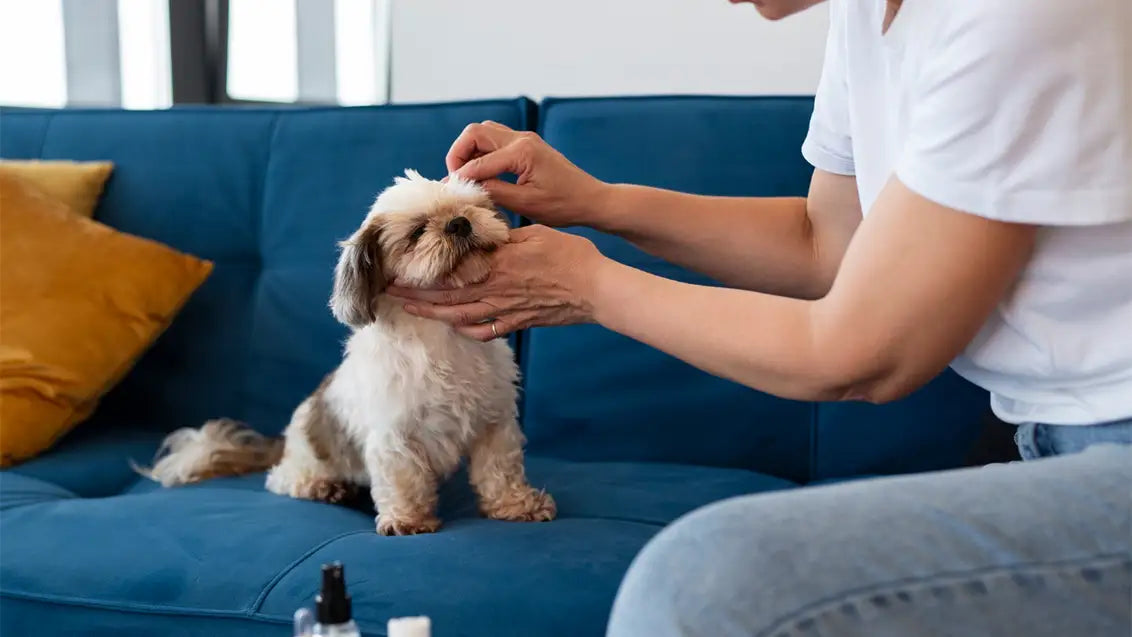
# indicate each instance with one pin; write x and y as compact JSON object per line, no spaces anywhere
{"x":359,"y":277}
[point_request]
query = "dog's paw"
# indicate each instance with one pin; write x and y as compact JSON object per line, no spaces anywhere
{"x":335,"y":492}
{"x":525,"y":506}
{"x":328,"y":491}
{"x":387,"y":525}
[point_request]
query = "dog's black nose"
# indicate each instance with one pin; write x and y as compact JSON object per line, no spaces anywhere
{"x":460,"y":226}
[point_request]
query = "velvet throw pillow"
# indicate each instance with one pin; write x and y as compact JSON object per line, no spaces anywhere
{"x":76,"y":184}
{"x":79,"y":303}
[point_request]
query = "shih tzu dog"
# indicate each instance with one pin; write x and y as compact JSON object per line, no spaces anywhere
{"x":411,"y":399}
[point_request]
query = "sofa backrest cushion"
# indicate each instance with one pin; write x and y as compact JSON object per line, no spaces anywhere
{"x":264,"y":193}
{"x":593,"y":395}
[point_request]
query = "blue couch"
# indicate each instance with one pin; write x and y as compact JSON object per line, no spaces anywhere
{"x":626,"y":438}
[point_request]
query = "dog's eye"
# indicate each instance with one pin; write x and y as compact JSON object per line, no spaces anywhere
{"x":418,"y":233}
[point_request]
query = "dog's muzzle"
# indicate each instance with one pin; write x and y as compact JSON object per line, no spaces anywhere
{"x":460,"y":227}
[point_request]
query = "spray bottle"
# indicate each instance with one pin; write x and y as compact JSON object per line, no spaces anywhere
{"x":333,"y":616}
{"x":334,"y":613}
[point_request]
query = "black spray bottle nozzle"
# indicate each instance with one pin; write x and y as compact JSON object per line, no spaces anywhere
{"x":332,"y":602}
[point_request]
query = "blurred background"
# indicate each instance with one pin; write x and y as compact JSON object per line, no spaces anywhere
{"x":152,"y":54}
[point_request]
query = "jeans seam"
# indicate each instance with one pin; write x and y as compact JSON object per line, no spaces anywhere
{"x":828,"y":603}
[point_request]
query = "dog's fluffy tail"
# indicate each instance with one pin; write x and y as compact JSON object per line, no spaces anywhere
{"x":219,"y":448}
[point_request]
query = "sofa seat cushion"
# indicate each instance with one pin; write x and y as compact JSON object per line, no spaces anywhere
{"x":227,"y":558}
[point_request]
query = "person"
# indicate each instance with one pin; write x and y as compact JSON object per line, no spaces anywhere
{"x":971,"y":207}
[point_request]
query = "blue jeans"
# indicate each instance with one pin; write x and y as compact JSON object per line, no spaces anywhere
{"x":1039,"y":548}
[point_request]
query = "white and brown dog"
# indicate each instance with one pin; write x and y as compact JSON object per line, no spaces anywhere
{"x":411,"y":398}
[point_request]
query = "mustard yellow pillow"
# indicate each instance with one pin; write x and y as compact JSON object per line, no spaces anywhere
{"x":79,"y":303}
{"x":78,"y":185}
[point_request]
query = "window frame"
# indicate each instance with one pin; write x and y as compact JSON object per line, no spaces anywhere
{"x":198,"y":42}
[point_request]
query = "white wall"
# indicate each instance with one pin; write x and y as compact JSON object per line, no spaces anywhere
{"x":450,"y":50}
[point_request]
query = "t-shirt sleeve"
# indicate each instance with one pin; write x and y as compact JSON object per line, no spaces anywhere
{"x":1021,"y":112}
{"x":829,"y":145}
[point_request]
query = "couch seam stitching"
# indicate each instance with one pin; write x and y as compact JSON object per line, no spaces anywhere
{"x":158,"y":610}
{"x":520,"y":338}
{"x":43,"y":137}
{"x":263,"y":184}
{"x":261,"y":262}
{"x":150,"y":609}
{"x":13,"y":505}
{"x":262,"y":598}
{"x":892,"y":584}
{"x":65,"y":495}
{"x":286,"y":570}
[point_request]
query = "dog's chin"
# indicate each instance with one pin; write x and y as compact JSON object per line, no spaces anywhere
{"x":473,"y":268}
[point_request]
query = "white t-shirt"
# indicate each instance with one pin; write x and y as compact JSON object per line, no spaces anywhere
{"x":1015,"y":110}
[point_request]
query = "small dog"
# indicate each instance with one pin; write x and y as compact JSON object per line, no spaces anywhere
{"x":411,"y":398}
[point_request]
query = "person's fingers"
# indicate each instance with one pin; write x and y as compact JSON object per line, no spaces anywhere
{"x":506,"y":194}
{"x":459,"y":315}
{"x":453,"y":296}
{"x":525,"y":233}
{"x":476,"y":140}
{"x":497,"y":126}
{"x":503,"y":327}
{"x":508,"y":159}
{"x":482,"y":332}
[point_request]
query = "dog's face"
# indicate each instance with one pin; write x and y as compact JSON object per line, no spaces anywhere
{"x":419,"y":233}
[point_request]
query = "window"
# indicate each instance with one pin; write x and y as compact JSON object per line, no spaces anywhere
{"x":90,"y":53}
{"x":360,"y":25}
{"x":132,"y":53}
{"x":262,"y":50}
{"x":33,"y":69}
{"x":309,"y":51}
{"x":143,"y":49}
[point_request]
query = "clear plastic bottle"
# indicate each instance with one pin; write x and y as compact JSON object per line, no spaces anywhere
{"x":333,"y":613}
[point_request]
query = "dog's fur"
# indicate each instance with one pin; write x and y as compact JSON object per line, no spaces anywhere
{"x":411,"y":398}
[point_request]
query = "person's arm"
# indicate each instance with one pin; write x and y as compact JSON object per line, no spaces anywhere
{"x":917,"y":282}
{"x":786,"y":246}
{"x":789,"y":246}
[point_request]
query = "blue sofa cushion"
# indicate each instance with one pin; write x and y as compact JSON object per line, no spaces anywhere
{"x":264,"y":193}
{"x":592,"y":394}
{"x":934,"y":428}
{"x":93,"y":460}
{"x":226,"y":557}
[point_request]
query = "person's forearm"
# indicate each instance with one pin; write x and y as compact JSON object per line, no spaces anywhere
{"x":915,"y":287}
{"x":759,"y":340}
{"x":764,"y":244}
{"x":782,"y":346}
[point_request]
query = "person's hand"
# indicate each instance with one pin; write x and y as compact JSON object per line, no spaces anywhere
{"x":542,"y":277}
{"x":549,"y":189}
